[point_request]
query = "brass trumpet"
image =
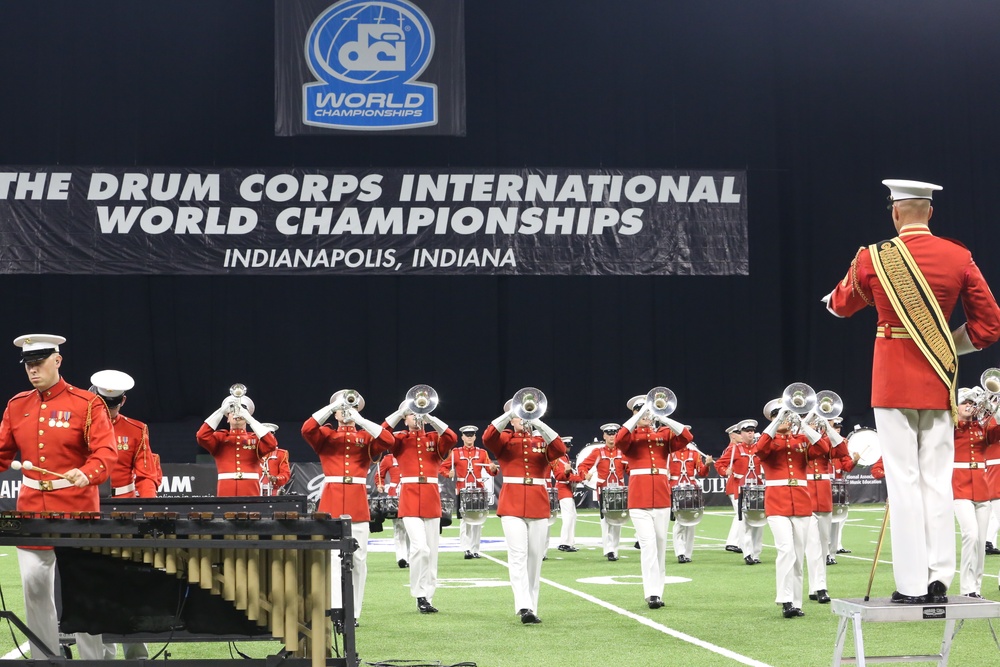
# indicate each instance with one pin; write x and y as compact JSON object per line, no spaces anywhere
{"x":661,"y":402}
{"x":529,"y":403}
{"x":237,"y":391}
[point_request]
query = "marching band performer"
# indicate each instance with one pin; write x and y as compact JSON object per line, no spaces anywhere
{"x":68,"y":431}
{"x":645,"y":449}
{"x":686,"y":464}
{"x":133,"y":474}
{"x":787,"y":502}
{"x":237,"y":453}
{"x":565,"y":478}
{"x":735,"y":463}
{"x":819,"y":475}
{"x":843,"y":462}
{"x":971,"y":488}
{"x":345,"y":454}
{"x":913,"y":380}
{"x":524,"y":500}
{"x":468,"y":465}
{"x":276,"y":469}
{"x":387,"y":480}
{"x":606,"y":467}
{"x":420,"y":455}
{"x":993,"y":479}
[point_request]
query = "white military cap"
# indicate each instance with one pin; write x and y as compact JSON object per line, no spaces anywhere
{"x":899,"y":189}
{"x":733,"y":428}
{"x":566,"y":439}
{"x":771,"y":406}
{"x":273,"y":428}
{"x":111,"y":385}
{"x":746,"y":423}
{"x":967,"y":394}
{"x":245,"y":402}
{"x":611,"y":426}
{"x":469,"y":430}
{"x":836,"y":421}
{"x":507,"y":406}
{"x":35,"y":347}
{"x":635,"y":401}
{"x":337,"y":395}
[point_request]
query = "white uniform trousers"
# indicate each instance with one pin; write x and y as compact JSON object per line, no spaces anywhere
{"x":469,"y":536}
{"x":836,"y":532}
{"x":38,"y":579}
{"x":651,"y":532}
{"x":527,"y":540}
{"x":790,"y":539}
{"x":567,"y":508}
{"x":424,"y":535}
{"x":817,"y":549}
{"x":400,"y":540}
{"x":611,"y":537}
{"x":918,"y":450}
{"x":973,"y":520}
{"x":129,"y":651}
{"x":360,"y":531}
{"x":683,"y":540}
{"x":737,"y":529}
{"x":991,"y":529}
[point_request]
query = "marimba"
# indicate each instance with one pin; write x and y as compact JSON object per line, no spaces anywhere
{"x":274,"y":568}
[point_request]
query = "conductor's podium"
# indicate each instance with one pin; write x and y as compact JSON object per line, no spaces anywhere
{"x":857,"y":611}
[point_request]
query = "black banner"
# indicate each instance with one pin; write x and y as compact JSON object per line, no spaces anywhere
{"x":373,"y":66}
{"x":294,"y":222}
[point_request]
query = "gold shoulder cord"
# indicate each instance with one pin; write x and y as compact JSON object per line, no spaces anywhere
{"x":86,"y":426}
{"x":854,"y":279}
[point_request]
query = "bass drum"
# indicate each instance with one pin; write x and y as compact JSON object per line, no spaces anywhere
{"x":553,"y":505}
{"x":614,"y":505}
{"x":473,"y":506}
{"x":688,"y":504}
{"x":752,"y":504}
{"x":841,"y":501}
{"x":864,"y":442}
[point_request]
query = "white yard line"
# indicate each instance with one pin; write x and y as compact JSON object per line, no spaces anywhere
{"x":742,"y":659}
{"x":17,"y":653}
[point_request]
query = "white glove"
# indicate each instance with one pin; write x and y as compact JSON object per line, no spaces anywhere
{"x":259,"y":429}
{"x":548,"y":434}
{"x":323,"y":414}
{"x":500,"y":423}
{"x":812,"y":435}
{"x":215,"y":418}
{"x":963,"y":345}
{"x":394,"y":418}
{"x":835,"y":437}
{"x":772,"y":428}
{"x":373,"y":429}
{"x":675,"y":426}
{"x":436,"y":423}
{"x":634,"y":419}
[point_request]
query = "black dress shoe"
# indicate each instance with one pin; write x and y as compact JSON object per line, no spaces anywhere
{"x":356,"y":624}
{"x":821,"y":596}
{"x":636,"y":545}
{"x":402,"y":563}
{"x":545,"y":557}
{"x":899,"y":598}
{"x":991,"y":550}
{"x":654,"y":602}
{"x":476,"y":555}
{"x":735,"y":549}
{"x":843,"y":551}
{"x":425,"y":607}
{"x":748,"y":559}
{"x":974,"y":596}
{"x":756,"y":561}
{"x":937,"y":593}
{"x":683,"y":559}
{"x":789,"y":611}
{"x":528,"y":617}
{"x":567,"y":548}
{"x":612,"y":557}
{"x":468,"y":555}
{"x":830,"y":560}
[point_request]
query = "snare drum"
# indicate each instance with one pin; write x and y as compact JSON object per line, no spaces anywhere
{"x":752,"y":504}
{"x":688,"y":504}
{"x":375,"y":509}
{"x":473,"y":505}
{"x":390,"y":506}
{"x":553,"y":505}
{"x":614,"y":505}
{"x":841,"y":500}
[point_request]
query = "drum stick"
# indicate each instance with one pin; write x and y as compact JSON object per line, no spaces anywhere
{"x":28,"y":465}
{"x":878,"y":550}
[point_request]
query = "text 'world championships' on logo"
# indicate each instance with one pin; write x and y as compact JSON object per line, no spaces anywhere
{"x":367,"y":55}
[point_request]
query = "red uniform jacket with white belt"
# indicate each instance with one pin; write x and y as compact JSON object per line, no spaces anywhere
{"x":526,"y":458}
{"x":565,"y":481}
{"x":646,"y":451}
{"x":968,"y":478}
{"x":785,"y":459}
{"x":387,"y":475}
{"x":734,"y":464}
{"x":468,"y":464}
{"x":276,"y":466}
{"x":237,"y":452}
{"x":135,"y":460}
{"x":346,"y":453}
{"x":611,"y":467}
{"x":420,"y":455}
{"x":901,"y":375}
{"x":686,"y":461}
{"x":59,"y":429}
{"x":819,"y":472}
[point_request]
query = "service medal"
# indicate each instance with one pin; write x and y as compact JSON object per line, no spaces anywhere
{"x":52,"y":423}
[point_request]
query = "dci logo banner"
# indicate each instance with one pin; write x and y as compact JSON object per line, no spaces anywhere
{"x":370,"y":66}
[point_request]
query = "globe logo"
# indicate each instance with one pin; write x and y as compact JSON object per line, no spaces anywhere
{"x":369,"y":42}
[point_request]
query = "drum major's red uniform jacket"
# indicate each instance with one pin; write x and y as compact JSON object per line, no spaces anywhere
{"x":734,"y":464}
{"x":345,"y":455}
{"x":134,"y":466}
{"x":524,"y":463}
{"x":237,"y":452}
{"x":58,"y":429}
{"x":901,"y":375}
{"x":469,"y":464}
{"x":645,"y":452}
{"x":786,"y":460}
{"x":968,"y":478}
{"x":420,"y":455}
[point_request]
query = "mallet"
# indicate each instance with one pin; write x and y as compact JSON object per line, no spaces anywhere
{"x":28,"y":465}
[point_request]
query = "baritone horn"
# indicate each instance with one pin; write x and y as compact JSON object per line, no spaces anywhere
{"x":529,"y":403}
{"x":237,"y":391}
{"x":989,"y":398}
{"x":421,"y":399}
{"x":799,"y":397}
{"x":346,"y":399}
{"x":661,"y":402}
